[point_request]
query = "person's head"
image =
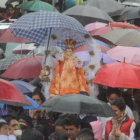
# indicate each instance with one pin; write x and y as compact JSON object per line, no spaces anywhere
{"x":119,"y":106}
{"x":32,"y":134}
{"x":72,"y":126}
{"x":38,"y":96}
{"x":12,"y":123}
{"x":25,"y":121}
{"x":59,"y":136}
{"x":3,"y":127}
{"x":1,"y":54}
{"x":85,"y":134}
{"x":10,"y":10}
{"x":113,"y":94}
{"x":59,"y":125}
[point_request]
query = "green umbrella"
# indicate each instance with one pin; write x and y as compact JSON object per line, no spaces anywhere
{"x":36,"y":5}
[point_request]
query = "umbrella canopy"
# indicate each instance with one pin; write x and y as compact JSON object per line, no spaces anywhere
{"x":130,"y":13}
{"x":112,"y":7}
{"x":123,"y":37}
{"x":36,"y":5}
{"x":125,"y":54}
{"x":123,"y":75}
{"x":6,"y":35}
{"x":23,"y":86}
{"x":94,"y":26}
{"x":103,"y":30}
{"x":24,"y":48}
{"x":123,"y":25}
{"x":105,"y":59}
{"x":8,"y":61}
{"x":87,"y":14}
{"x":77,"y":104}
{"x":25,"y":68}
{"x":35,"y":105}
{"x":37,"y":26}
{"x":9,"y":94}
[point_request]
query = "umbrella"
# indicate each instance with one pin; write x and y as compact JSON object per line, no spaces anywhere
{"x":23,"y":86}
{"x":24,"y":48}
{"x":112,"y":7}
{"x":103,"y":30}
{"x":131,"y":3}
{"x":6,"y":35}
{"x":123,"y":25}
{"x":35,"y":105}
{"x":87,"y":14}
{"x":25,"y":68}
{"x":130,"y":13}
{"x":105,"y":58}
{"x":8,"y":61}
{"x":38,"y":26}
{"x":123,"y":75}
{"x":77,"y":104}
{"x":94,"y":26}
{"x":127,"y":54}
{"x":36,"y":5}
{"x":9,"y":94}
{"x":123,"y":37}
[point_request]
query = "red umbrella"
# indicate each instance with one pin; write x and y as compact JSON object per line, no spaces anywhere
{"x":121,"y":75}
{"x":6,"y":35}
{"x":122,"y":25}
{"x":24,"y":68}
{"x":9,"y":94}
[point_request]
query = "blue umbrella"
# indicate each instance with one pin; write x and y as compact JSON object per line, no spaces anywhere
{"x":23,"y":86}
{"x":35,"y":104}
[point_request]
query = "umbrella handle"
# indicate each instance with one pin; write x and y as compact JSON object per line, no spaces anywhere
{"x":48,"y":42}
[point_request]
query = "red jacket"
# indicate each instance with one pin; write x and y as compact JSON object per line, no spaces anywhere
{"x":124,"y":128}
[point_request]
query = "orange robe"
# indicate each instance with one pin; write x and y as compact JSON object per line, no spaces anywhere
{"x":68,"y":79}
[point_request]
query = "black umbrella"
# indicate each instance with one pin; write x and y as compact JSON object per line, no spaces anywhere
{"x":130,"y":13}
{"x":87,"y":14}
{"x":112,"y":7}
{"x":78,"y":104}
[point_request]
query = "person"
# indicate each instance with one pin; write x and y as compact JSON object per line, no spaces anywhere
{"x":32,"y":134}
{"x":35,"y":114}
{"x":113,"y":94}
{"x":69,"y":75}
{"x":12,"y":123}
{"x":59,"y":136}
{"x":120,"y":126}
{"x":72,"y":126}
{"x":4,"y":131}
{"x":85,"y":134}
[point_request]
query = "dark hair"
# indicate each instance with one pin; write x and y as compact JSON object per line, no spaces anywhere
{"x":85,"y":134}
{"x":32,"y":134}
{"x":136,"y":130}
{"x":27,"y":119}
{"x":59,"y":136}
{"x":111,"y":91}
{"x":2,"y":122}
{"x":60,"y":122}
{"x":39,"y":93}
{"x":72,"y":120}
{"x":8,"y":118}
{"x":120,"y":104}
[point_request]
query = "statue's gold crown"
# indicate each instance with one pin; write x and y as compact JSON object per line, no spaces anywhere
{"x":69,"y":43}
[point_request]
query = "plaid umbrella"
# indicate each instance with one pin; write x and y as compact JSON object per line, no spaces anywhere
{"x":8,"y":61}
{"x":38,"y":26}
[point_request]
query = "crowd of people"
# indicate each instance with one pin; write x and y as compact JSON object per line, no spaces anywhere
{"x":17,"y":123}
